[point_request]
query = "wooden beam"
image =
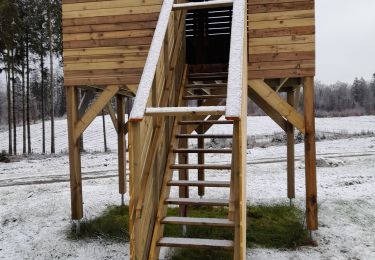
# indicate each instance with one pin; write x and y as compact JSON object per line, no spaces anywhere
{"x":121,"y":144}
{"x":74,"y":154}
{"x":282,"y":83}
{"x":310,"y":154}
{"x":290,"y":150}
{"x":277,"y":103}
{"x":270,"y":111}
{"x":95,"y":109}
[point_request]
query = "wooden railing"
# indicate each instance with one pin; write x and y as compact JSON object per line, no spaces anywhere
{"x":237,"y":75}
{"x":148,"y":76}
{"x":149,"y":136}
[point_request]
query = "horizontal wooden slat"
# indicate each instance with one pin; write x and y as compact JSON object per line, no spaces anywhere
{"x":112,"y":11}
{"x":107,"y":50}
{"x":215,"y":222}
{"x":284,"y":56}
{"x":104,"y":72}
{"x":280,"y":7}
{"x":107,"y":42}
{"x":195,"y":243}
{"x":282,"y":48}
{"x":99,"y":5}
{"x":112,"y":19}
{"x":287,"y":15}
{"x":109,"y":27}
{"x":108,"y":35}
{"x":271,"y":65}
{"x":197,"y":202}
{"x":120,"y":80}
{"x":281,"y":23}
{"x":103,"y":65}
{"x":299,"y":39}
{"x":288,"y":73}
{"x":275,"y":32}
{"x":200,"y":183}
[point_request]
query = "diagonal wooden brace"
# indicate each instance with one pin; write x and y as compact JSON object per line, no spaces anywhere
{"x":270,"y":111}
{"x":95,"y":109}
{"x":278,"y":104}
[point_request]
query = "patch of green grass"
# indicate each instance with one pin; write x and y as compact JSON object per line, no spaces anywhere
{"x":276,"y":226}
{"x":270,"y":226}
{"x":113,"y":225}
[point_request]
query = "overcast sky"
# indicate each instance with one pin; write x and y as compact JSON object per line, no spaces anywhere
{"x":345,"y":37}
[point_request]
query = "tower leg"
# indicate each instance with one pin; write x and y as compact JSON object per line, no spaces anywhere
{"x":121,"y":146}
{"x":310,"y":154}
{"x":290,"y":150}
{"x":74,"y":154}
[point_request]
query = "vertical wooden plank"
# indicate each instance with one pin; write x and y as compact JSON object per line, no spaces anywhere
{"x":310,"y":154}
{"x":201,"y":172}
{"x":183,"y":174}
{"x":134,"y":158}
{"x":290,"y":150}
{"x":74,"y":154}
{"x":121,"y":144}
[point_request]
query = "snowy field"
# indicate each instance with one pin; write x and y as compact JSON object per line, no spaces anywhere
{"x":35,"y":196}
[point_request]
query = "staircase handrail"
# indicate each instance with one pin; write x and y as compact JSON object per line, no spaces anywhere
{"x":148,"y":76}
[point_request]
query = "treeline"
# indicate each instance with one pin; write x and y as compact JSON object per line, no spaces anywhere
{"x":342,"y":99}
{"x":30,"y":45}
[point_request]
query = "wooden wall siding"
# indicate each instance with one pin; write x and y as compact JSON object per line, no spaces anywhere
{"x":106,"y":41}
{"x":281,"y":38}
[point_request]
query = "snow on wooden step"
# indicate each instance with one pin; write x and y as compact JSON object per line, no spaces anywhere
{"x":171,"y":111}
{"x":197,"y":202}
{"x":195,"y":243}
{"x":203,"y":136}
{"x":203,"y":5}
{"x":200,"y":183}
{"x":214,"y":222}
{"x":202,"y":150}
{"x":198,"y":122}
{"x":202,"y":166}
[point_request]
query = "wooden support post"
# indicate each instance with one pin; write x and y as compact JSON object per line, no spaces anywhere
{"x":310,"y":154}
{"x":290,"y":150}
{"x":121,"y":145}
{"x":201,"y":173}
{"x":74,"y":154}
{"x":183,"y":174}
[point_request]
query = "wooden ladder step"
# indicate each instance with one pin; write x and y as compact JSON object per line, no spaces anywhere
{"x":203,"y":136}
{"x":180,"y":150}
{"x":195,"y":243}
{"x":196,"y":202}
{"x":208,"y":76}
{"x":214,"y":222}
{"x":215,"y":184}
{"x":206,"y":85}
{"x":201,"y":166}
{"x":200,"y":97}
{"x":198,"y":122}
{"x":176,"y":111}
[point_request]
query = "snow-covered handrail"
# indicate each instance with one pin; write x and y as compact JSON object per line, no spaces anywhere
{"x":202,"y":5}
{"x":149,"y":71}
{"x":236,"y":62}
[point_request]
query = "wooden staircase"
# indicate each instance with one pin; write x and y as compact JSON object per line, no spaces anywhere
{"x":171,"y":113}
{"x":202,"y":90}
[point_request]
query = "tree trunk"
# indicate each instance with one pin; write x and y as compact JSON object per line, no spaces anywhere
{"x":14,"y":108}
{"x":51,"y":80}
{"x":9,"y":100}
{"x":43,"y":116}
{"x":23,"y":101}
{"x":104,"y":133}
{"x":28,"y":96}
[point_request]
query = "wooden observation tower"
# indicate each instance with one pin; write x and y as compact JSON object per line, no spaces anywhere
{"x":188,"y":65}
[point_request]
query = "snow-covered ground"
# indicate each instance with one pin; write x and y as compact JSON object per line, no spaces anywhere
{"x":35,"y":196}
